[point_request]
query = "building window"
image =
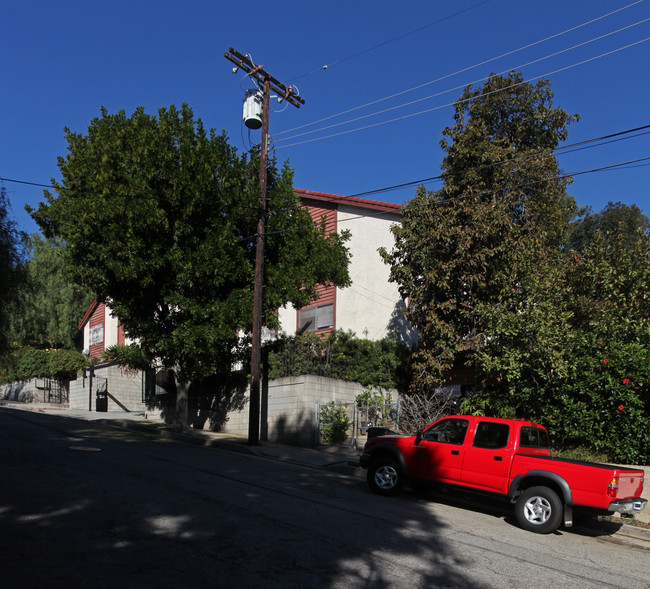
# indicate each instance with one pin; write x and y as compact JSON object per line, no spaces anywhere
{"x":97,"y":334}
{"x":316,"y":318}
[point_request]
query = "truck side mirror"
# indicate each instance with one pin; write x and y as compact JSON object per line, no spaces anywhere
{"x":418,"y":437}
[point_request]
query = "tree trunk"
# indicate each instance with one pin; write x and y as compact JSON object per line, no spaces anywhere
{"x":180,"y":417}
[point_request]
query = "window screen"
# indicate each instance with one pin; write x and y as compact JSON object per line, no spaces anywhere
{"x":316,"y":318}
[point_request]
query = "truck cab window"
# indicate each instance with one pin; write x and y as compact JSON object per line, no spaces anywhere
{"x":491,"y":435}
{"x":449,"y":431}
{"x":533,"y":437}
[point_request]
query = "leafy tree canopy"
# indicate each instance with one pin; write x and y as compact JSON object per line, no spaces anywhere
{"x":574,"y":353}
{"x":553,"y":317}
{"x":159,"y":219}
{"x":11,"y":256}
{"x":462,"y":246}
{"x":614,"y":220}
{"x":27,"y":363}
{"x":50,"y":305}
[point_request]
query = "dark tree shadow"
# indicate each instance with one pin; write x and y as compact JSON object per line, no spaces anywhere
{"x":211,"y":399}
{"x":84,"y":505}
{"x":400,"y":326}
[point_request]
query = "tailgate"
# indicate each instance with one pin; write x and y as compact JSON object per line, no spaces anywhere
{"x":630,"y":483}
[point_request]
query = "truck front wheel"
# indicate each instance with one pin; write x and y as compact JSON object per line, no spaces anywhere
{"x":384,"y":477}
{"x":539,"y":509}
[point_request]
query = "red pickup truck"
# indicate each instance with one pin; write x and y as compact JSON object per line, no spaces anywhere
{"x":505,"y":457}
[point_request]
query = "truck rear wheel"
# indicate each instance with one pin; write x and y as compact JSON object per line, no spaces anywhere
{"x":384,"y":477}
{"x":539,"y":509}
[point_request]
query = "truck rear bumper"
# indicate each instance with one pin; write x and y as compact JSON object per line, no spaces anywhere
{"x":628,"y":505}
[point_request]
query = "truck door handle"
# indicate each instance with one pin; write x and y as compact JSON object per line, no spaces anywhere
{"x":499,"y":458}
{"x":455,"y":452}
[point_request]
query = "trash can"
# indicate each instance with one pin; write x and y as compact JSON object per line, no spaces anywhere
{"x":101,"y":401}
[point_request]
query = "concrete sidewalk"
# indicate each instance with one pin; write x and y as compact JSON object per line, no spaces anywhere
{"x":335,"y":457}
{"x":323,"y":457}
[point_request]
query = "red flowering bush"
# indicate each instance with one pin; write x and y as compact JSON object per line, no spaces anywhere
{"x":604,"y":404}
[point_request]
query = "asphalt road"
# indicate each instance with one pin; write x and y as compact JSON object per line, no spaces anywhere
{"x":83,"y":504}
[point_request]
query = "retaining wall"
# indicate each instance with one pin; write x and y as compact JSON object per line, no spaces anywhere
{"x":288,"y":408}
{"x":25,"y":392}
{"x":123,"y":390}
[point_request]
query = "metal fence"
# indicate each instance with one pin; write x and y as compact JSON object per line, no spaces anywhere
{"x":384,"y":418}
{"x":56,"y":391}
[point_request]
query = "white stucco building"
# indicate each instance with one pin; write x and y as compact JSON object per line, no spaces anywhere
{"x":371,"y":307}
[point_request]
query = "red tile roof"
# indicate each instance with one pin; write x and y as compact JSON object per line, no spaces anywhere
{"x":350,"y":200}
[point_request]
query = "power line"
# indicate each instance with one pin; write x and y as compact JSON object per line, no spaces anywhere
{"x":620,"y":165}
{"x":586,"y":144}
{"x":384,"y":43}
{"x":27,"y":183}
{"x":452,"y":200}
{"x":428,"y":110}
{"x":211,"y":88}
{"x":372,"y":292}
{"x":461,"y":70}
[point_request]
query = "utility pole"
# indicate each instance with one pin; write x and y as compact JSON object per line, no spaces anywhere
{"x":266,"y":83}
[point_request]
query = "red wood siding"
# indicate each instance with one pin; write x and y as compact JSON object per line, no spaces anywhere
{"x":326,"y":294}
{"x":98,"y":318}
{"x":319,"y":210}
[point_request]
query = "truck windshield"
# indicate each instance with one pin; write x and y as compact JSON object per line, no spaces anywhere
{"x":533,"y":437}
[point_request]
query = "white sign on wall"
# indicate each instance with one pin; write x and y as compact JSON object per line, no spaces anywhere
{"x":97,"y":334}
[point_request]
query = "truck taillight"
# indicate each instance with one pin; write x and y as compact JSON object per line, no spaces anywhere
{"x":612,"y":488}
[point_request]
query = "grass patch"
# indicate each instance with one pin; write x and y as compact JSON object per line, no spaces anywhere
{"x":630,"y":521}
{"x":580,"y":453}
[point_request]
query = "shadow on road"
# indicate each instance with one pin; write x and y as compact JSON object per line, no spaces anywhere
{"x":85,"y":505}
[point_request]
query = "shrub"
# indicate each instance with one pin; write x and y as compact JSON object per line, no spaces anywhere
{"x":383,"y":363}
{"x":27,"y":363}
{"x":604,"y":402}
{"x":334,"y":422}
{"x":128,"y":357}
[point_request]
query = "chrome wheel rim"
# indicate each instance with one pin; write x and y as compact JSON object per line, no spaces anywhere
{"x":537,"y":510}
{"x":386,"y":477}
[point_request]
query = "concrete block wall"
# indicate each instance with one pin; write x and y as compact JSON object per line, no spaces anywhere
{"x":79,"y":394}
{"x":124,"y":390}
{"x":289,"y":405}
{"x":25,"y":392}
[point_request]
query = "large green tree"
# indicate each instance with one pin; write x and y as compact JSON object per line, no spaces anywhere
{"x":11,"y":255}
{"x":608,"y":386}
{"x":50,"y":305}
{"x":159,"y":219}
{"x":466,"y":247}
{"x":616,"y":219}
{"x":574,"y":353}
{"x":554,"y":317}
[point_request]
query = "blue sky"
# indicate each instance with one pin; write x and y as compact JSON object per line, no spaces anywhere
{"x":63,"y":60}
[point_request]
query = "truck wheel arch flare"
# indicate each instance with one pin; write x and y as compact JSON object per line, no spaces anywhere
{"x":540,"y":477}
